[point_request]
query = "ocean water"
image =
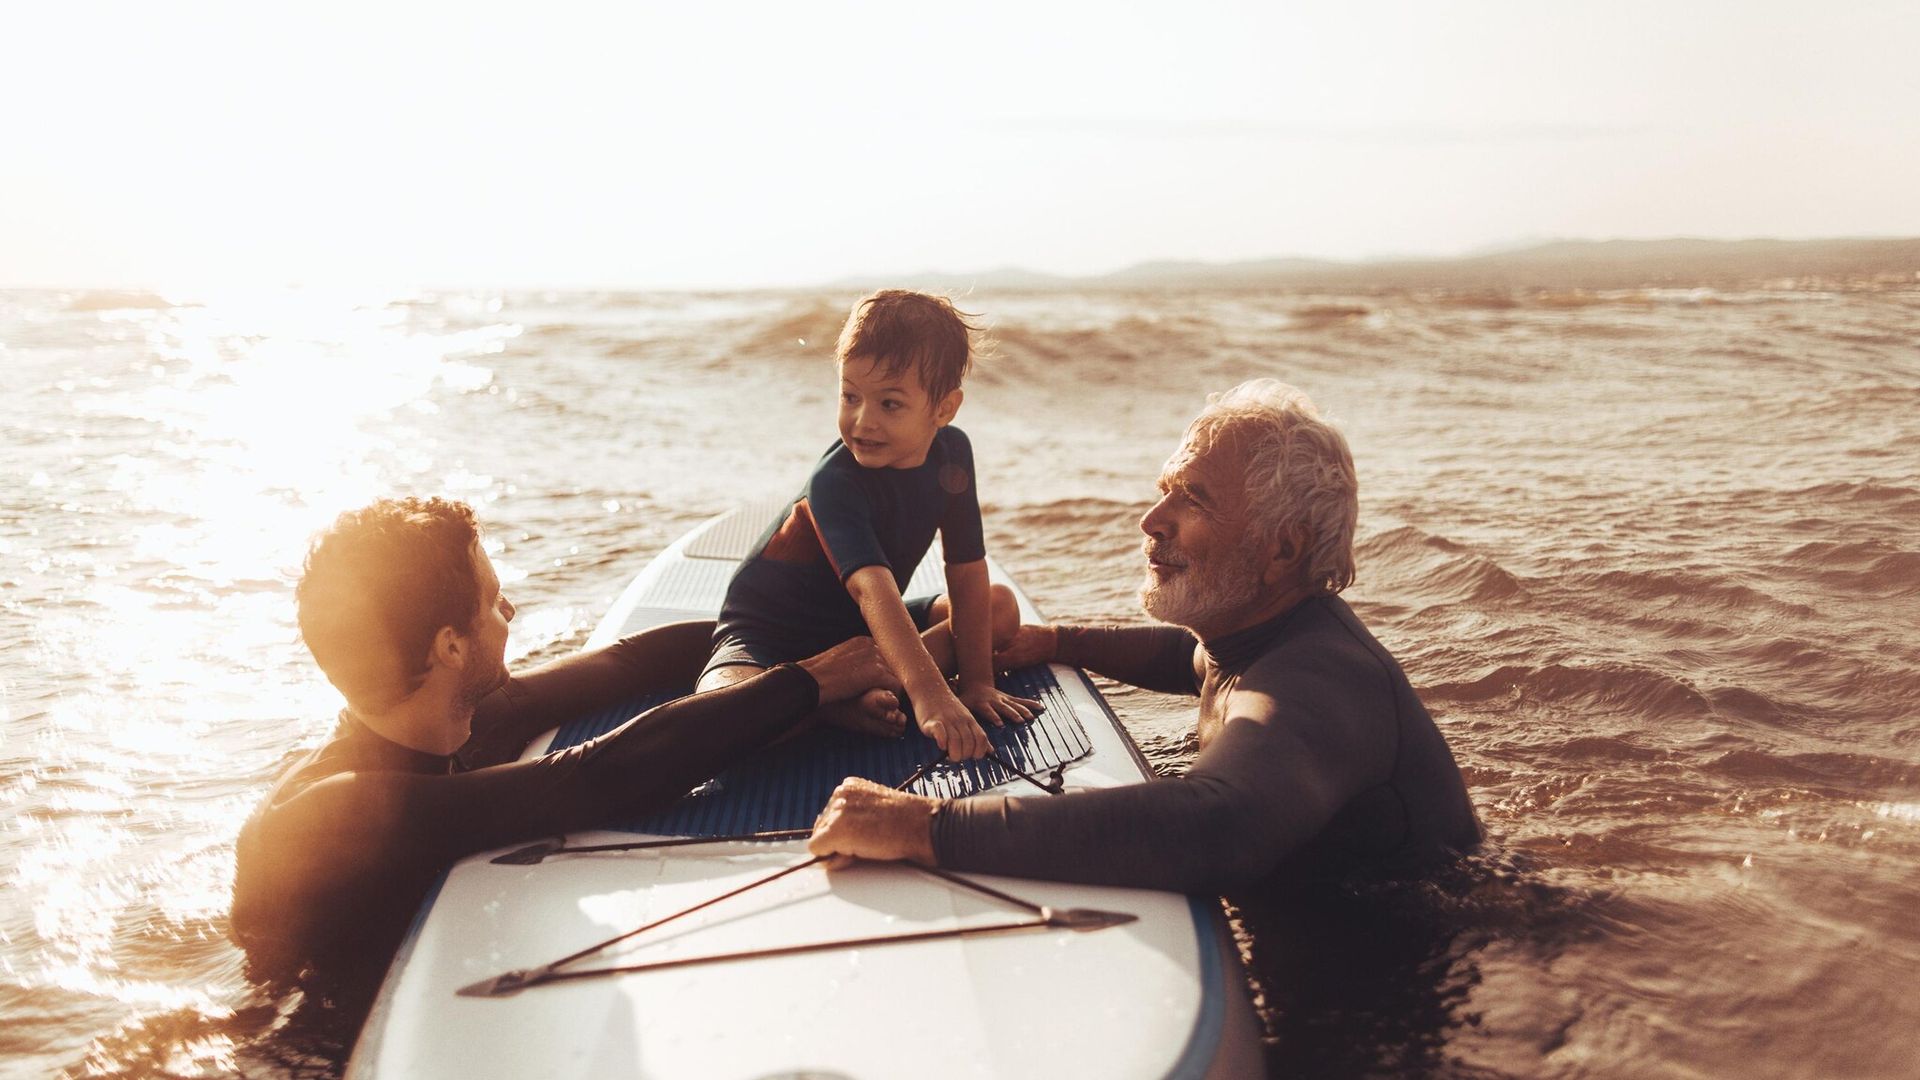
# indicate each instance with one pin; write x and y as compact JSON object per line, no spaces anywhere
{"x":1650,"y":557}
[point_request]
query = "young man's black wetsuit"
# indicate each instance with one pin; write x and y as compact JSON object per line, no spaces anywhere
{"x":335,"y":861}
{"x":789,"y":598}
{"x":1317,"y":762}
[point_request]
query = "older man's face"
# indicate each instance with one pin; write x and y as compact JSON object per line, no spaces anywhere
{"x":1200,"y":568}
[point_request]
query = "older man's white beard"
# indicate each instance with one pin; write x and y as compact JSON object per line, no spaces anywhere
{"x":1202,"y":594}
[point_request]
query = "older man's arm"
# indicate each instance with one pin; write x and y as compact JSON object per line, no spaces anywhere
{"x":1159,"y":658}
{"x":1269,"y":783}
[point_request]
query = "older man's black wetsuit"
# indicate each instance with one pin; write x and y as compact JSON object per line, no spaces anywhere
{"x":1317,"y":762}
{"x":337,"y":858}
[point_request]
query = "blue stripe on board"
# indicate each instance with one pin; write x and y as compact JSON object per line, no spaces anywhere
{"x":373,"y":1029}
{"x":1203,"y":1043}
{"x":784,"y":786}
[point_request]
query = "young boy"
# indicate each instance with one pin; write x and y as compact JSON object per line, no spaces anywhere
{"x":833,"y":564}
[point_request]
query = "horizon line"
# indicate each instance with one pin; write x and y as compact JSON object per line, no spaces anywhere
{"x":848,"y":280}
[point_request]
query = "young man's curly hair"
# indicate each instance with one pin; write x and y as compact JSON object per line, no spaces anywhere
{"x":378,"y":584}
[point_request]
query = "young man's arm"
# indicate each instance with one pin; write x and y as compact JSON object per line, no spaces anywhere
{"x":657,"y":659}
{"x":940,"y":715}
{"x":1159,"y":658}
{"x":332,"y":860}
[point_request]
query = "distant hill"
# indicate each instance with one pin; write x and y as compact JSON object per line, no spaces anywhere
{"x":1172,"y":272}
{"x":1010,"y":278}
{"x":1557,"y":265}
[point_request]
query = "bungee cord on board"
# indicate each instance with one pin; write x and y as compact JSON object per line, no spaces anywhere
{"x":1043,"y":917}
{"x":533,"y":854}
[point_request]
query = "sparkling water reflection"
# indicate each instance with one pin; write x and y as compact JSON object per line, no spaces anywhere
{"x":1649,"y":557}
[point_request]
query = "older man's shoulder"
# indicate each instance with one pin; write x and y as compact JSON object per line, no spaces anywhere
{"x":1324,"y":640}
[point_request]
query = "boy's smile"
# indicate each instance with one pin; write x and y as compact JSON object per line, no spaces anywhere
{"x":885,"y":418}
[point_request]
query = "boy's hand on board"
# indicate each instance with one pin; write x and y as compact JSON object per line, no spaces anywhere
{"x":948,"y":722}
{"x":995,"y":706}
{"x":1031,"y":645}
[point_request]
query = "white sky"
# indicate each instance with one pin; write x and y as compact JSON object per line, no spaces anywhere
{"x":713,"y":144}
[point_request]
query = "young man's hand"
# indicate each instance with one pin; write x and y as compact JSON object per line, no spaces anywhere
{"x":1030,"y":645}
{"x":949,"y":723}
{"x":849,"y":669}
{"x":995,"y":706}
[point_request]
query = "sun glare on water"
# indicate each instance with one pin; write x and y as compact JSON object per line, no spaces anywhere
{"x":186,"y":453}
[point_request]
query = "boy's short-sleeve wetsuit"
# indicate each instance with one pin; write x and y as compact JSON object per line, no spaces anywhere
{"x":788,"y":599}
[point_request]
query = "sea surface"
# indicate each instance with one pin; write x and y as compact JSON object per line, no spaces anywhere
{"x":1652,"y":559}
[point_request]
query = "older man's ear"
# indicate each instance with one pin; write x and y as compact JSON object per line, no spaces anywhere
{"x":1286,"y":559}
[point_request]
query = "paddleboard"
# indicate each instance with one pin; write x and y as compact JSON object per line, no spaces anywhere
{"x":1160,"y":995}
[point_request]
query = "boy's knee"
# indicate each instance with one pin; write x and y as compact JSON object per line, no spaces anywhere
{"x":726,"y":675}
{"x":1006,"y":615}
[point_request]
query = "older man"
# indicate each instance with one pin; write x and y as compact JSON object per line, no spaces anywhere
{"x":1317,"y":760}
{"x":402,"y":610}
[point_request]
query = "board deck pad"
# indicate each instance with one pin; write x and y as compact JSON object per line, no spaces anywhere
{"x":785,"y":786}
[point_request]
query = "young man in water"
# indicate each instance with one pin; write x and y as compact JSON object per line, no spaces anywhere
{"x":402,"y":610}
{"x":835,"y":561}
{"x":1317,"y":761}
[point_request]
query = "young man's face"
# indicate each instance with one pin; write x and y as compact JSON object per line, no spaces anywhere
{"x":487,"y":666}
{"x":886,"y":420}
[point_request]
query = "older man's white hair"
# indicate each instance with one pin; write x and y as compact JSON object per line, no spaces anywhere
{"x":1300,"y":476}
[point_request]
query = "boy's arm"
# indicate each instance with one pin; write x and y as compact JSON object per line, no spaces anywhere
{"x":970,"y":596}
{"x":939,"y":714}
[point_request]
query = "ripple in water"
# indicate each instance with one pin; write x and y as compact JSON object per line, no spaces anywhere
{"x":1650,"y":557}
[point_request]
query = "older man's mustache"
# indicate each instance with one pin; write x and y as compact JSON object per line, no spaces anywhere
{"x":1161,"y":553}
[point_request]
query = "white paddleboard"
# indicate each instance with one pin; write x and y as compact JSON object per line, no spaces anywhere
{"x":1162,"y":996}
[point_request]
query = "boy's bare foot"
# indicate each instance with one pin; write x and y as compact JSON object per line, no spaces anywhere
{"x":876,"y":712}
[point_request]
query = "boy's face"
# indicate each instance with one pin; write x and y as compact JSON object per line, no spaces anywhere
{"x":886,"y":420}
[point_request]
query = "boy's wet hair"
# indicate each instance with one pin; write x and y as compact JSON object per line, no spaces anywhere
{"x":901,"y":330}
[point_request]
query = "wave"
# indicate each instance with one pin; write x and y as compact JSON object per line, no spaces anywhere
{"x":554,"y":331}
{"x":1607,"y":331}
{"x":806,"y":328}
{"x":1879,"y":507}
{"x":1434,"y":568}
{"x":1618,"y":688}
{"x":1017,"y":349}
{"x":1476,"y":301}
{"x":1698,"y":590}
{"x":1873,"y":566}
{"x":1058,"y":513}
{"x":1323,"y":316}
{"x":109,"y":300}
{"x":1847,"y":774}
{"x":1871,"y":338}
{"x":1551,"y":300}
{"x":1860,"y":492}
